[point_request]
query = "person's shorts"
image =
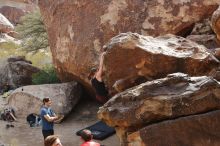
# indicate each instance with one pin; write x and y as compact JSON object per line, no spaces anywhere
{"x":101,"y":99}
{"x":47,"y":133}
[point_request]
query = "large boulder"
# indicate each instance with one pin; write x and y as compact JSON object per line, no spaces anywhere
{"x":16,"y":72}
{"x":132,"y":58}
{"x":78,"y":29}
{"x":28,"y":99}
{"x":175,"y":96}
{"x":5,"y":24}
{"x":196,"y":130}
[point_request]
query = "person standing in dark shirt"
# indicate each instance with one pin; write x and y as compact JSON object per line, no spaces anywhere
{"x":97,"y":82}
{"x":48,"y":117}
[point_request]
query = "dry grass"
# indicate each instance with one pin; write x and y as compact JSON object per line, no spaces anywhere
{"x":38,"y":59}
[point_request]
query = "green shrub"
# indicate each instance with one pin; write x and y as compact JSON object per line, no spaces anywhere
{"x":33,"y":33}
{"x":46,"y":76}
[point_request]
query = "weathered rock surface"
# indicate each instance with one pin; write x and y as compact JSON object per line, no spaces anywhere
{"x":16,"y":72}
{"x":133,"y":58}
{"x":28,"y":99}
{"x":203,"y":34}
{"x":216,"y":75}
{"x":5,"y":24}
{"x":78,"y":29}
{"x":9,"y":37}
{"x":13,"y":34}
{"x":18,"y":3}
{"x":203,"y":27}
{"x":215,"y":22}
{"x":13,"y":14}
{"x":13,"y":6}
{"x":209,"y":41}
{"x":26,"y":1}
{"x":175,"y":96}
{"x":217,"y":53}
{"x":197,"y":130}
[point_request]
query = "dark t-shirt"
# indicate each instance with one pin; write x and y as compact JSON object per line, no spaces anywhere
{"x":99,"y":87}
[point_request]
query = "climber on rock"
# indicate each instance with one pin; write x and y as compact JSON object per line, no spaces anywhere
{"x":96,"y":80}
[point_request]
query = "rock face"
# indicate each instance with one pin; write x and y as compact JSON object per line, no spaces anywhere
{"x":16,"y":72}
{"x":78,"y":29}
{"x":26,"y":1}
{"x":9,"y":37}
{"x":199,"y":130}
{"x":14,"y":9}
{"x":5,"y":24}
{"x":209,"y":41}
{"x":13,"y":14}
{"x":217,"y":53}
{"x":24,"y":4}
{"x":132,"y":58}
{"x":203,"y":27}
{"x":28,"y":99}
{"x":215,"y":22}
{"x":177,"y":95}
{"x":203,"y":34}
{"x":13,"y":34}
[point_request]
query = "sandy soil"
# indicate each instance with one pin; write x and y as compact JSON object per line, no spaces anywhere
{"x":84,"y":114}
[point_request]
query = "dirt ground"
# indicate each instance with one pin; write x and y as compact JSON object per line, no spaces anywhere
{"x":83,"y":115}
